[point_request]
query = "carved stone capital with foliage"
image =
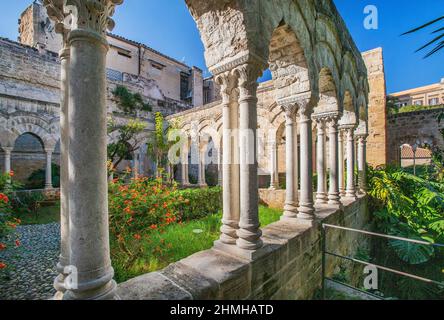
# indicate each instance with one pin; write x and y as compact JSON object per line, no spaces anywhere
{"x":228,"y":85}
{"x":248,"y":74}
{"x":92,"y":15}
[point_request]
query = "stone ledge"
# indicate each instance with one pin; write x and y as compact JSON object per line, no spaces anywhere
{"x":292,"y":254}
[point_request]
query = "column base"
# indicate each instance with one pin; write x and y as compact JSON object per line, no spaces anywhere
{"x":306,"y":211}
{"x":108,"y":294}
{"x":235,"y":251}
{"x":321,"y":198}
{"x":290,"y":210}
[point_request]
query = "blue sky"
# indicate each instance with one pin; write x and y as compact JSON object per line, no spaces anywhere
{"x":167,"y":26}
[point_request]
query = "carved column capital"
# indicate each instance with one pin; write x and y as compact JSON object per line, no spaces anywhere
{"x":62,"y":21}
{"x":93,"y":16}
{"x":228,"y":84}
{"x":248,"y":74}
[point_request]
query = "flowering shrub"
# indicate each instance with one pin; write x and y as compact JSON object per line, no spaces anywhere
{"x":141,"y":209}
{"x":8,"y":239}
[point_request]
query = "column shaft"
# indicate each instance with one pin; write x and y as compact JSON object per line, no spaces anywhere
{"x":274,"y":172}
{"x":48,"y":171}
{"x":333,"y":192}
{"x":306,"y":207}
{"x":64,"y":174}
{"x":341,"y":166}
{"x":230,"y":167}
{"x":362,"y":164}
{"x":8,"y":152}
{"x":249,"y":233}
{"x":291,"y":199}
{"x":351,"y":188}
{"x":88,"y":196}
{"x":321,"y":195}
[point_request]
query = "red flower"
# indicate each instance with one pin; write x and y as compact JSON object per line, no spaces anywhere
{"x":4,"y":198}
{"x":17,"y":243}
{"x":2,"y":265}
{"x":137,"y":236}
{"x":153,"y":227}
{"x":165,"y":205}
{"x":11,"y":173}
{"x":2,"y":246}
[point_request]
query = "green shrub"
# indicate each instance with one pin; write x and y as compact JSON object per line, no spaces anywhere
{"x":37,"y":178}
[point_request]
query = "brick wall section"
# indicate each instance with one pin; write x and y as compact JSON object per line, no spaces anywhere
{"x":377,"y":108}
{"x":420,"y":127}
{"x":289,"y":269}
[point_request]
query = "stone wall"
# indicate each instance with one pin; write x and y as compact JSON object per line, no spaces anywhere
{"x":420,"y":128}
{"x":289,"y":267}
{"x":377,"y":108}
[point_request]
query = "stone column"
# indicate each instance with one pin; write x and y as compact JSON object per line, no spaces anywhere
{"x":333,"y":191}
{"x":351,"y":188}
{"x":219,"y":167}
{"x":274,"y":170}
{"x":88,"y":197}
{"x":306,"y":206}
{"x":136,"y":164}
{"x":201,"y":175}
{"x":321,"y":195}
{"x":230,"y":161}
{"x":63,"y":263}
{"x":184,"y":166}
{"x":291,"y":163}
{"x":362,"y":164}
{"x":249,"y":233}
{"x":48,"y":171}
{"x":8,"y":152}
{"x":341,"y":166}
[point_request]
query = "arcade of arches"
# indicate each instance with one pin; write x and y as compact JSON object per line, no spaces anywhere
{"x":312,"y":117}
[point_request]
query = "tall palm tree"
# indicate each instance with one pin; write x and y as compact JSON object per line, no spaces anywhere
{"x":438,"y":41}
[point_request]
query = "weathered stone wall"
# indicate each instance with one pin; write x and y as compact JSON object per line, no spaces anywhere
{"x":377,"y":152}
{"x":420,"y":128}
{"x":289,"y":268}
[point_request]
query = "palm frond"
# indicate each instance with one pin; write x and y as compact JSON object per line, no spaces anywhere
{"x":424,"y":25}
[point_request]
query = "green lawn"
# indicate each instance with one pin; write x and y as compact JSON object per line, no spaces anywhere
{"x":176,"y":243}
{"x":43,"y":215}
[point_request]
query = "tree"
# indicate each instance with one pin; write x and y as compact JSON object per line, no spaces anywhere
{"x":129,"y":138}
{"x":159,"y":145}
{"x":436,"y":41}
{"x":130,"y":103}
{"x":128,"y":135}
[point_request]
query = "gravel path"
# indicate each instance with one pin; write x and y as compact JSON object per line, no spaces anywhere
{"x":34,"y":262}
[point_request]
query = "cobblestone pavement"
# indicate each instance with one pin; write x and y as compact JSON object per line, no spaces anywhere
{"x":34,"y":264}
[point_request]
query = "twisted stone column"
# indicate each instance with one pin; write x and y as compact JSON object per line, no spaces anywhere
{"x":249,"y":233}
{"x":341,"y":166}
{"x":88,"y":197}
{"x":48,"y":171}
{"x":362,"y":163}
{"x":306,"y":206}
{"x":333,"y":191}
{"x":291,"y":162}
{"x":351,"y":187}
{"x":230,"y":161}
{"x":321,"y":195}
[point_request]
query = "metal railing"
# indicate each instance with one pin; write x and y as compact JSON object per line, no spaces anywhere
{"x":326,"y":253}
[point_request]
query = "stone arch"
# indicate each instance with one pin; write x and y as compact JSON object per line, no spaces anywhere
{"x":36,"y":126}
{"x":288,"y":64}
{"x":328,"y":92}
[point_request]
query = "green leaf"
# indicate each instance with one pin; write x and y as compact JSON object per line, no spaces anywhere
{"x":412,"y":253}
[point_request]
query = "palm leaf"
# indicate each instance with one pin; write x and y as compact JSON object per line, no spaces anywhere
{"x":424,"y":25}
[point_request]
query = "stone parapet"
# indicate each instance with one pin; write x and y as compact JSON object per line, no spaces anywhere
{"x":289,"y":267}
